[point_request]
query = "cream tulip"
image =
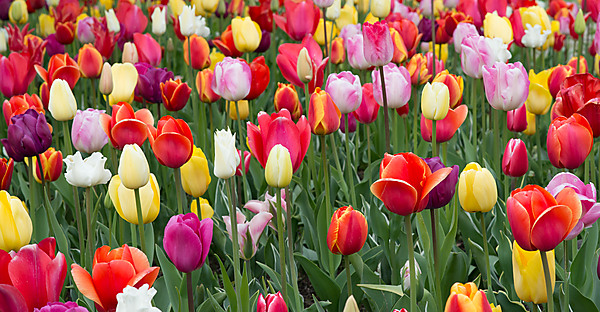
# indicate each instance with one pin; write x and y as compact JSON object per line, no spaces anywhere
{"x":133,"y":167}
{"x":112,"y":22}
{"x":159,"y":21}
{"x":226,"y":156}
{"x":278,"y":170}
{"x":435,"y":101}
{"x":124,"y":78}
{"x":123,"y":199}
{"x":62,"y":104}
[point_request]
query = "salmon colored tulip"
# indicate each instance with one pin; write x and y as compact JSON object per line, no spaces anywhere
{"x":455,"y":85}
{"x":19,"y":104}
{"x":405,"y":182}
{"x":112,"y":271}
{"x":540,"y":221}
{"x":286,"y":97}
{"x":467,"y":298}
{"x":173,"y":143}
{"x":338,"y":54}
{"x":52,"y":164}
{"x":261,"y":76}
{"x":557,"y":76}
{"x":200,"y":52}
{"x":175,"y":94}
{"x":278,"y":128}
{"x":60,"y":66}
{"x":89,"y":61}
{"x":287,"y":60}
{"x":300,"y":19}
{"x":569,"y":141}
{"x":579,"y":94}
{"x":528,"y":274}
{"x":126,"y":126}
{"x":148,"y":49}
{"x":323,"y":115}
{"x":347,"y":232}
{"x":226,"y":44}
{"x":445,"y":128}
{"x":203,"y":85}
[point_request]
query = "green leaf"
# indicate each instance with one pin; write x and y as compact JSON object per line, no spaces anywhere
{"x":229,"y":289}
{"x":171,"y":275}
{"x":325,"y":287}
{"x":508,"y":305}
{"x":579,"y":302}
{"x":395,"y":289}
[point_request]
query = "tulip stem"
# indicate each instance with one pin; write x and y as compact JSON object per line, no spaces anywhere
{"x":474,"y":130}
{"x":32,"y":190}
{"x":288,"y":221}
{"x":434,"y":150}
{"x":436,"y":257}
{"x":488,"y":278}
{"x":385,"y":111}
{"x":411,"y":263}
{"x":190,"y":293}
{"x":579,"y":51}
{"x":550,"y":299}
{"x":241,"y":137}
{"x":348,"y":275}
{"x":349,"y":162}
{"x":566,"y":247}
{"x":138,"y":204}
{"x":79,"y":227}
{"x":280,"y":238}
{"x":415,"y":114}
{"x":327,"y":199}
{"x":368,"y":126}
{"x":179,"y":193}
{"x":88,"y":215}
{"x":497,"y":143}
{"x":537,"y":140}
{"x":433,"y":28}
{"x":234,"y":240}
{"x":67,"y":136}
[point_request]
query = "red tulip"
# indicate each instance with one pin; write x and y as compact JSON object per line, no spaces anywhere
{"x":113,"y":270}
{"x":204,"y":80}
{"x":287,"y":97}
{"x":514,"y":160}
{"x":288,"y":58}
{"x":89,"y":61}
{"x":471,"y":8}
{"x":262,"y":15}
{"x":583,"y":66}
{"x":405,"y":182}
{"x":36,"y":271}
{"x":538,"y":220}
{"x":569,"y":141}
{"x":516,"y":120}
{"x":300,"y":19}
{"x":261,"y":76}
{"x":557,"y":77}
{"x":246,"y":159}
{"x":200,"y":52}
{"x":579,"y":94}
{"x":65,"y":32}
{"x":126,"y":126}
{"x":347,"y":232}
{"x":60,"y":66}
{"x":11,"y":299}
{"x":6,"y":171}
{"x":226,"y":45}
{"x":403,"y":111}
{"x":446,"y":127}
{"x":19,"y":104}
{"x":489,"y":6}
{"x":175,"y":94}
{"x":132,"y":19}
{"x":104,"y":40}
{"x":148,"y":49}
{"x":17,"y":73}
{"x":278,"y":128}
{"x":368,"y":109}
{"x":323,"y":115}
{"x":173,"y":143}
{"x":67,"y":10}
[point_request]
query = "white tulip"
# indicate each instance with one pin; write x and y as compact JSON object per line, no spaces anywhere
{"x":136,"y":300}
{"x":187,"y":20}
{"x":333,"y":12}
{"x":498,"y":49}
{"x":226,"y":156}
{"x":3,"y":40}
{"x":159,"y":22}
{"x":112,"y":21}
{"x":86,"y":172}
{"x":534,"y":36}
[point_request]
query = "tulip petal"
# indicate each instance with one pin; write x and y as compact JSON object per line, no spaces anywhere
{"x":84,"y":283}
{"x":520,"y":223}
{"x":129,"y":131}
{"x":206,"y":233}
{"x":4,"y":261}
{"x":434,"y":179}
{"x":183,"y":246}
{"x":172,"y":149}
{"x":68,"y":73}
{"x":11,"y":300}
{"x":110,"y":279}
{"x":147,"y":276}
{"x":569,"y":198}
{"x":398,"y":196}
{"x":551,"y":227}
{"x":352,"y":232}
{"x":136,"y":257}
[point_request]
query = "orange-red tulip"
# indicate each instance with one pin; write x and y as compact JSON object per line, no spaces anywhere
{"x":126,"y":126}
{"x":19,"y":104}
{"x":455,"y":85}
{"x":347,"y":232}
{"x":417,"y":68}
{"x":60,"y":66}
{"x":287,"y":97}
{"x":446,"y":127}
{"x":400,"y":52}
{"x":467,"y":298}
{"x":52,"y":164}
{"x":203,"y":85}
{"x":225,"y":43}
{"x":261,"y":76}
{"x":408,"y":30}
{"x":175,"y":94}
{"x":583,"y":66}
{"x":200,"y":52}
{"x":538,"y":220}
{"x":173,"y":143}
{"x":569,"y":141}
{"x":323,"y":115}
{"x":90,"y":61}
{"x":6,"y":171}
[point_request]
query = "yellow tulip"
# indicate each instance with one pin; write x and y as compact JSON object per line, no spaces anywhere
{"x":124,"y":77}
{"x":197,"y":4}
{"x":215,"y":57}
{"x":15,"y":225}
{"x":435,"y":101}
{"x":319,"y":37}
{"x":495,"y":308}
{"x":108,"y":4}
{"x":363,"y":5}
{"x":244,"y":110}
{"x":123,"y":199}
{"x":133,"y":167}
{"x":348,"y":15}
{"x":246,"y":34}
{"x":206,"y":211}
{"x":380,"y":8}
{"x":477,"y":189}
{"x":371,"y":19}
{"x":444,"y":46}
{"x":539,"y":99}
{"x":46,"y":23}
{"x":62,"y":104}
{"x":535,"y":15}
{"x":210,"y":6}
{"x":528,"y":274}
{"x":176,"y":7}
{"x":597,"y":64}
{"x":495,"y":26}
{"x":17,"y":12}
{"x":530,"y":124}
{"x":195,"y":176}
{"x":278,"y":170}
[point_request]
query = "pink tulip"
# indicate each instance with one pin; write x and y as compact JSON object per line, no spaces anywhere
{"x":439,"y":64}
{"x":132,"y":19}
{"x":288,"y":59}
{"x":85,"y":32}
{"x":356,"y":53}
{"x":187,"y":241}
{"x":477,"y":51}
{"x":148,"y":49}
{"x":397,"y":85}
{"x":462,"y":31}
{"x":273,"y":303}
{"x":17,"y":73}
{"x":345,"y":91}
{"x":268,"y":205}
{"x":368,"y":109}
{"x":378,"y":44}
{"x":232,"y":79}
{"x":506,"y":85}
{"x":248,"y":232}
{"x":300,"y":18}
{"x":514,"y":160}
{"x":87,"y":133}
{"x":516,"y":120}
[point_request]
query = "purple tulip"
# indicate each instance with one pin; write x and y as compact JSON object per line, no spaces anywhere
{"x":4,"y":6}
{"x":265,"y":42}
{"x":187,"y":241}
{"x":345,"y":91}
{"x":441,"y":195}
{"x":29,"y":135}
{"x":61,"y":307}
{"x":425,"y":29}
{"x":590,"y":209}
{"x":378,"y":46}
{"x":87,"y":133}
{"x":351,"y":123}
{"x":149,"y":79}
{"x":248,"y":232}
{"x":53,"y":46}
{"x":506,"y":85}
{"x":232,"y":79}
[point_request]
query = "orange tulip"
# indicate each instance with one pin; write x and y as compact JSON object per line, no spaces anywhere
{"x":287,"y":97}
{"x":126,"y":126}
{"x":400,"y":52}
{"x":60,"y":66}
{"x":19,"y":104}
{"x":203,"y":85}
{"x":200,"y":52}
{"x":173,"y":143}
{"x":52,"y":164}
{"x":89,"y":61}
{"x":323,"y":115}
{"x":347,"y":232}
{"x":175,"y":94}
{"x":467,"y":298}
{"x":417,"y":68}
{"x":455,"y":85}
{"x":338,"y":53}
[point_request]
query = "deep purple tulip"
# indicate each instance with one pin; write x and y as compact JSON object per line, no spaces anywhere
{"x":265,"y":42}
{"x":187,"y":241}
{"x":441,"y":195}
{"x":351,"y":123}
{"x":29,"y":135}
{"x":149,"y":79}
{"x":4,"y":6}
{"x":61,"y":307}
{"x":425,"y":29}
{"x":590,"y":209}
{"x":53,"y":46}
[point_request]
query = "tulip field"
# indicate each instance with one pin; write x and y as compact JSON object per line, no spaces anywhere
{"x":373,"y":155}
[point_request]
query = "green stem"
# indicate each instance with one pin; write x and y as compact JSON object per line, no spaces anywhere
{"x":368,"y":143}
{"x":80,"y":228}
{"x":350,"y":181}
{"x":90,"y":235}
{"x":548,"y":280}
{"x":488,"y":278}
{"x":348,"y":275}
{"x":411,"y":263}
{"x":288,"y":222}
{"x":537,"y":139}
{"x":496,"y":150}
{"x":579,"y":50}
{"x":385,"y":111}
{"x":434,"y":150}
{"x":33,"y":199}
{"x":433,"y":28}
{"x":436,"y":257}
{"x":67,"y":137}
{"x":415,"y":116}
{"x":325,"y":169}
{"x":179,"y":190}
{"x":190,"y":293}
{"x":586,"y":169}
{"x":474,"y":106}
{"x":280,"y":238}
{"x":241,"y":137}
{"x":138,"y":204}
{"x":234,"y":240}
{"x":566,"y":247}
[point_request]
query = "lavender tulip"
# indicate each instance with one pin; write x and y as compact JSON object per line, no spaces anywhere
{"x":232,"y":79}
{"x":590,"y":209}
{"x":441,"y":195}
{"x":61,"y":307}
{"x":29,"y":135}
{"x":87,"y":133}
{"x":149,"y":79}
{"x":506,"y":85}
{"x":248,"y":232}
{"x":397,"y":85}
{"x":187,"y":241}
{"x":84,"y":30}
{"x":345,"y":91}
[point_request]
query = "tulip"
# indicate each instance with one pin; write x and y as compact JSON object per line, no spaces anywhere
{"x":51,"y":161}
{"x":288,"y":59}
{"x":495,"y":26}
{"x":402,"y":192}
{"x":226,"y":158}
{"x":442,"y":194}
{"x":439,"y":64}
{"x":60,"y":66}
{"x":113,"y":270}
{"x":133,"y":167}
{"x":17,"y":13}
{"x":173,"y":142}
{"x":527,"y":269}
{"x":124,"y":77}
{"x":272,"y":303}
{"x":514,"y":159}
{"x":347,"y":232}
{"x":187,"y":241}
{"x":148,"y":50}
{"x":16,"y":227}
{"x":206,"y":211}
{"x":378,"y":45}
{"x":195,"y":176}
{"x":466,"y":297}
{"x":380,"y":8}
{"x":304,"y":68}
{"x":351,"y":123}
{"x":85,"y":32}
{"x":19,"y":104}
{"x":535,"y":36}
{"x":338,"y":55}
{"x":149,"y":80}
{"x":286,"y":97}
{"x":369,"y":108}
{"x":323,"y":115}
{"x":539,"y":99}
{"x":260,"y":77}
{"x":462,"y":31}
{"x":86,"y":172}
{"x":248,"y":232}
{"x":345,"y":91}
{"x":506,"y":85}
{"x":200,"y":52}
{"x":244,"y":110}
{"x":583,"y":67}
{"x":417,"y":69}
{"x":112,"y":22}
{"x":351,"y":305}
{"x":136,"y":300}
{"x":61,"y":307}
{"x":569,"y":141}
{"x":175,"y":94}
{"x":400,"y":52}
{"x":35,"y":271}
{"x":87,"y":134}
{"x":46,"y":23}
{"x":590,"y":210}
{"x":554,"y":217}
{"x":268,"y":205}
{"x":226,"y":45}
{"x":445,"y":128}
{"x":397,"y":85}
{"x":27,"y":136}
{"x":356,"y":54}
{"x":300,"y":18}
{"x":123,"y":199}
{"x":125,"y":126}
{"x":3,"y":41}
{"x":278,"y":169}
{"x":557,"y":76}
{"x":246,"y":34}
{"x":579,"y":94}
{"x":130,"y":53}
{"x":106,"y":81}
{"x":477,"y":51}
{"x":62,"y":102}
{"x":132,"y":19}
{"x":159,"y":21}
{"x":203,"y":85}
{"x":517,"y":120}
{"x":332,"y":31}
{"x":89,"y":61}
{"x":435,"y":101}
{"x":455,"y":86}
{"x":6,"y":171}
{"x":224,"y":83}
{"x":348,"y":15}
{"x":477,"y":189}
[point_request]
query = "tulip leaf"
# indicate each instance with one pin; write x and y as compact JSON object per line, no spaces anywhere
{"x":244,"y":292}
{"x":378,"y":222}
{"x":579,"y":302}
{"x":394,"y":289}
{"x":215,"y":304}
{"x":508,"y":305}
{"x":172,"y":277}
{"x":457,"y":270}
{"x":325,"y":287}
{"x":585,"y":262}
{"x":229,"y":289}
{"x":449,"y":240}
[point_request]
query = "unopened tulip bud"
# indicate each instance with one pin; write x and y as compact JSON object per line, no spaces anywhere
{"x":17,"y":12}
{"x":304,"y":66}
{"x":514,"y":160}
{"x":130,"y":54}
{"x":222,"y":8}
{"x":62,"y":104}
{"x":226,"y":157}
{"x":106,"y":82}
{"x":435,"y":101}
{"x":274,"y":5}
{"x":579,"y":23}
{"x":405,"y":274}
{"x":278,"y":171}
{"x":477,"y":189}
{"x":351,"y":305}
{"x":133,"y":167}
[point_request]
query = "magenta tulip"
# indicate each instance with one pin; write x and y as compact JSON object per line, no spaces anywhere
{"x":232,"y":79}
{"x":148,"y":49}
{"x":87,"y":133}
{"x":514,"y":160}
{"x":345,"y":91}
{"x":378,"y":44}
{"x":300,"y":18}
{"x":287,"y":60}
{"x":273,"y":303}
{"x":516,"y":120}
{"x":397,"y":85}
{"x":187,"y":241}
{"x":506,"y":85}
{"x":11,"y":299}
{"x":368,"y":109}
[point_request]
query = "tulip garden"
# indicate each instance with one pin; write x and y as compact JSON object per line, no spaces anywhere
{"x":382,"y":155}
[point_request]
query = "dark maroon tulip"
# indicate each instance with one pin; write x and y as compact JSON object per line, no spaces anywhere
{"x":351,"y":123}
{"x":514,"y":160}
{"x":265,"y":42}
{"x":4,"y":6}
{"x":11,"y":299}
{"x":149,"y":79}
{"x":516,"y":120}
{"x":425,"y":29}
{"x":273,"y":303}
{"x":29,"y":135}
{"x":62,"y":307}
{"x":187,"y":241}
{"x":442,"y":193}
